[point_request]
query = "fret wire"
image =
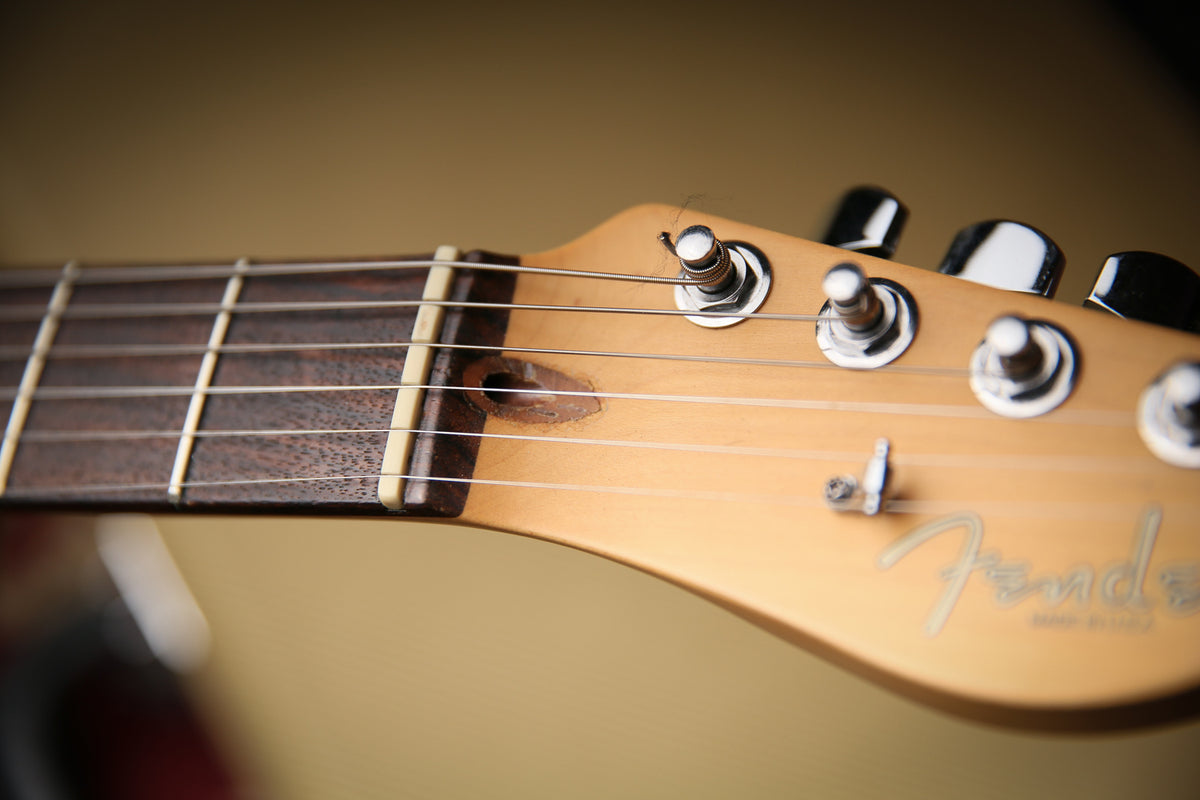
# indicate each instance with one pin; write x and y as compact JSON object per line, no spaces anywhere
{"x":143,"y":310}
{"x":208,"y":366}
{"x":121,"y":351}
{"x":936,"y":460}
{"x":32,"y":374}
{"x":1063,"y":416}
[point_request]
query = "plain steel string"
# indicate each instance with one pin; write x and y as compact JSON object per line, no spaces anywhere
{"x":1081,"y":509}
{"x":1076,"y":417}
{"x":115,"y":275}
{"x":16,"y":353}
{"x":139,"y":310}
{"x":1053,"y":463}
{"x":12,"y":279}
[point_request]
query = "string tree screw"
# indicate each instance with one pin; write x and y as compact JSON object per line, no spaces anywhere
{"x":866,"y":322}
{"x":732,"y":277}
{"x":848,"y":493}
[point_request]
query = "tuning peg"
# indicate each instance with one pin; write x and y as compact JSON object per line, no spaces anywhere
{"x":1169,"y":416}
{"x":868,"y":220}
{"x":1006,"y":255}
{"x":1148,"y":287}
{"x":1023,"y":368}
{"x":866,"y":322}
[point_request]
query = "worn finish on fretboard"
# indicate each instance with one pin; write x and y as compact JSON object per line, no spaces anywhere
{"x":222,"y":467}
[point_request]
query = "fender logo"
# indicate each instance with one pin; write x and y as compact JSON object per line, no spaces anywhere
{"x":1122,"y":586}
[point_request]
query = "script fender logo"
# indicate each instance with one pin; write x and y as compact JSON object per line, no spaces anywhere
{"x":1120,"y":587}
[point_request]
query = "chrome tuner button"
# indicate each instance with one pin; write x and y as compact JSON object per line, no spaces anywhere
{"x":1006,"y":255}
{"x":867,"y":322}
{"x":1023,"y":368}
{"x":1148,"y":287}
{"x":1169,"y":416}
{"x":868,"y":220}
{"x":727,"y":278}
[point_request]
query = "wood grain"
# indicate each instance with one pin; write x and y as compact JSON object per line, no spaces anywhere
{"x":723,"y":497}
{"x":43,"y":468}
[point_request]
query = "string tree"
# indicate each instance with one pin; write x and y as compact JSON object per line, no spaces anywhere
{"x":722,"y":277}
{"x":867,"y":494}
{"x":866,"y":322}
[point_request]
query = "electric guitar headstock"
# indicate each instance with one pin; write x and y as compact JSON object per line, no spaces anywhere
{"x":977,"y":495}
{"x":983,"y":497}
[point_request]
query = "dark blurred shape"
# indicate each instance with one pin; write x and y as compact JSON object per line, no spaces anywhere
{"x":1148,"y":287}
{"x":86,"y":711}
{"x":868,"y":220}
{"x":1168,"y":29}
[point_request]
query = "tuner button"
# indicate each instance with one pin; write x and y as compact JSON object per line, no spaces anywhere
{"x":1006,"y":255}
{"x":1148,"y":287}
{"x":868,"y":220}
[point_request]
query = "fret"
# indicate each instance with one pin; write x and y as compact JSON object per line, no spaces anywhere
{"x":83,"y":444}
{"x":418,"y":365}
{"x":33,"y":370}
{"x":208,"y":366}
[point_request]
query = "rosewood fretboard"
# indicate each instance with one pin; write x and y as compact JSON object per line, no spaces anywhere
{"x":132,"y":441}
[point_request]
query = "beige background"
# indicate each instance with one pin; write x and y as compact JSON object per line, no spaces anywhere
{"x":382,"y":659}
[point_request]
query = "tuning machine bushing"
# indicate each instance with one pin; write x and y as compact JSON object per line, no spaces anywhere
{"x":866,"y":322}
{"x":1023,"y":368}
{"x":731,"y":278}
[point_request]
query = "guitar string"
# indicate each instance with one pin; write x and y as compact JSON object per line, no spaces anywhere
{"x":1069,"y":509}
{"x":119,"y":311}
{"x":17,"y":353}
{"x":142,"y":310}
{"x":140,"y":275}
{"x":972,"y":461}
{"x":1064,"y":416}
{"x":36,"y":278}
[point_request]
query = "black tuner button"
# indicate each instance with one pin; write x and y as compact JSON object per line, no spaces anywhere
{"x":1006,"y":255}
{"x":1148,"y":287}
{"x":868,"y":220}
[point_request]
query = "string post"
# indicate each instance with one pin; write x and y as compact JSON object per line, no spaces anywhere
{"x":865,"y":322}
{"x":1169,"y":415}
{"x":731,"y":278}
{"x":1023,"y":368}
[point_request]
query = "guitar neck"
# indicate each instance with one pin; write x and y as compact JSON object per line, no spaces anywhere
{"x":283,"y":408}
{"x":979,"y":534}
